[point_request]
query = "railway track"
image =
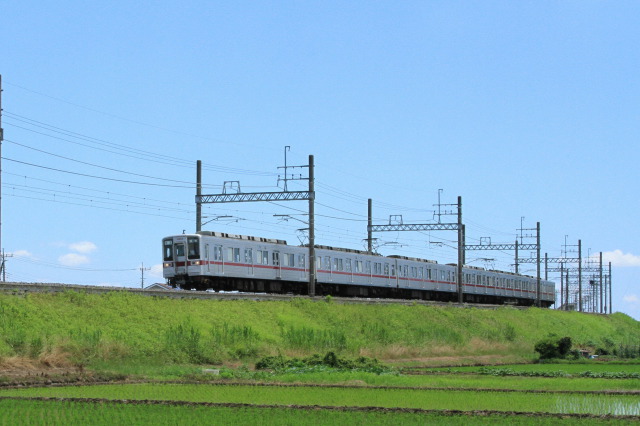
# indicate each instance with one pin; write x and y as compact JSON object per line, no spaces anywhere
{"x":25,"y":288}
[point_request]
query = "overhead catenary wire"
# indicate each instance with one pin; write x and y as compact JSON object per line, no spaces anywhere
{"x":141,"y":123}
{"x":128,"y":151}
{"x":97,"y":165}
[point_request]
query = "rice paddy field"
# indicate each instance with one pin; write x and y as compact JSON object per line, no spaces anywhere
{"x":335,"y":397}
{"x":117,"y":358}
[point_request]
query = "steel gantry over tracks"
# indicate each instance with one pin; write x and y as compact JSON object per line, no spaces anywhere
{"x":242,"y":197}
{"x":424,"y":227}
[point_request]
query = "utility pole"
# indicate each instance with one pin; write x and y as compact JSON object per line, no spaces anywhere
{"x":460,"y":251}
{"x":516,"y":260}
{"x":312,"y":232}
{"x":538,"y":292}
{"x":3,"y":266}
{"x":546,"y":266}
{"x":369,"y":223}
{"x":601,"y":295}
{"x":579,"y":275}
{"x":610,"y":300}
{"x":566,"y":290}
{"x":198,"y":195}
{"x":142,"y":269}
{"x":562,"y":301}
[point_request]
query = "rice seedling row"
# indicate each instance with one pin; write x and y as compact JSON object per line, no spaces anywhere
{"x":51,"y":412}
{"x":357,"y":397}
{"x":573,"y":368}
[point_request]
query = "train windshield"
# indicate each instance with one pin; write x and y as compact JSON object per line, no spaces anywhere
{"x":194,"y":247}
{"x":167,"y":247}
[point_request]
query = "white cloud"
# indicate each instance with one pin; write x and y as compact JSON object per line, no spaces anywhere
{"x":617,"y":258}
{"x":83,"y":247}
{"x":156,"y":271}
{"x":73,"y":259}
{"x":631,"y":298}
{"x":22,"y":253}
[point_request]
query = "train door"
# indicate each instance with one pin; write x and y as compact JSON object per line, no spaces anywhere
{"x":248,"y":260}
{"x":207,"y":260}
{"x":276,"y":264}
{"x":218,"y":261}
{"x":180,"y":259}
{"x":395,"y":273}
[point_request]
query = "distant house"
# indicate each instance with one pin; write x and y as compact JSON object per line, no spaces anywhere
{"x":160,"y":286}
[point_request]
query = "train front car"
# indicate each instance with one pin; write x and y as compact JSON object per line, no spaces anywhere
{"x":182,"y":265}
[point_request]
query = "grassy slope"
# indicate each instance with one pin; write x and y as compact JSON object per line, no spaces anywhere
{"x":123,"y":325}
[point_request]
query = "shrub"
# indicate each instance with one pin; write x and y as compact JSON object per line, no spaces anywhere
{"x":553,"y":348}
{"x":329,"y":360}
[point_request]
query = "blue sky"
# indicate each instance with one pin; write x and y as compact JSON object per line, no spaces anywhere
{"x":525,"y":109}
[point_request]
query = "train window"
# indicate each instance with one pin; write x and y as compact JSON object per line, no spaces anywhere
{"x":248,"y":256}
{"x":393,"y":269}
{"x":367,"y":267}
{"x":291,"y":259}
{"x":179,"y":250}
{"x":386,"y":269}
{"x":337,"y":264}
{"x":327,"y":263}
{"x":276,"y":258}
{"x":414,"y":272}
{"x":233,"y":254}
{"x":347,"y":265}
{"x":168,"y":249}
{"x":405,"y":271}
{"x":301,"y":261}
{"x":217,"y":253}
{"x":428,"y":273}
{"x":193,"y":247}
{"x":358,"y":265}
{"x":262,"y":257}
{"x":420,"y":273}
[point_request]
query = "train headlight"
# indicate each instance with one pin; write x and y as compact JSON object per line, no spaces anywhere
{"x":166,"y":265}
{"x":197,"y":262}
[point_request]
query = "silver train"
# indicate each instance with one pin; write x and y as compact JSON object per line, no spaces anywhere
{"x":228,"y":262}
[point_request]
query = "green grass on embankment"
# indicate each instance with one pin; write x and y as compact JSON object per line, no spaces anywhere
{"x":128,"y":328}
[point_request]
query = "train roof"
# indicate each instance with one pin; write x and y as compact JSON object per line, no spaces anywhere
{"x":241,"y":237}
{"x":395,"y":256}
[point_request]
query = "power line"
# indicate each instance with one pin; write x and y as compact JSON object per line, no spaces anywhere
{"x":94,"y":165}
{"x":86,"y":197}
{"x":87,"y":189}
{"x":93,"y":176}
{"x":171,"y":160}
{"x":94,"y":206}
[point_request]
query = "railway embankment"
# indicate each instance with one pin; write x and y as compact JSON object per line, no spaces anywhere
{"x":81,"y":329}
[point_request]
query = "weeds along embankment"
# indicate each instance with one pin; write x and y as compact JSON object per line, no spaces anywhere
{"x":80,"y":328}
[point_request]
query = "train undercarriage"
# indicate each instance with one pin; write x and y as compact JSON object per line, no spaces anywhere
{"x":322,"y":289}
